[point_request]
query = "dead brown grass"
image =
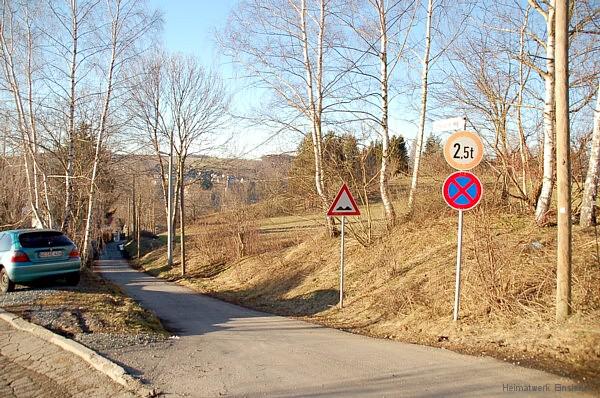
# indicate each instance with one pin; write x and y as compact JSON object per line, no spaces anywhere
{"x":402,"y":286}
{"x":96,"y":306}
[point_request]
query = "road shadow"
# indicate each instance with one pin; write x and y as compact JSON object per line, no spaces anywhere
{"x":184,"y":312}
{"x":300,"y":306}
{"x":245,"y":335}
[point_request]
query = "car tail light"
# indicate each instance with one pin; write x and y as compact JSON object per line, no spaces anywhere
{"x":74,"y":253}
{"x":19,"y":257}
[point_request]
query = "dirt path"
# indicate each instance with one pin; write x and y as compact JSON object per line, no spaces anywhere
{"x":226,"y":350}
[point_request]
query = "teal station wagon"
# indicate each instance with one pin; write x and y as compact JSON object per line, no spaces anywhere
{"x":28,"y":255}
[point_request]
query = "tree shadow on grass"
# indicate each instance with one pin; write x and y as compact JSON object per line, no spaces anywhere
{"x":279,"y":295}
{"x":300,"y":306}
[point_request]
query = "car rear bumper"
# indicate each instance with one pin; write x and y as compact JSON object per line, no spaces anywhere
{"x":28,"y":272}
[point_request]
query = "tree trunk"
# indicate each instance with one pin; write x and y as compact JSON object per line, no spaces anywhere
{"x":170,"y":209}
{"x":128,"y":223}
{"x":545,"y":199}
{"x":424,"y":92}
{"x":100,"y":137}
{"x":71,"y":120}
{"x":315,"y":104}
{"x":390,"y":214}
{"x":7,"y":49}
{"x":523,"y":150}
{"x":590,"y":191}
{"x":153,"y":218}
{"x":134,"y":210}
{"x":182,"y":222}
{"x":33,"y":144}
{"x":176,"y":196}
{"x":138,"y":219}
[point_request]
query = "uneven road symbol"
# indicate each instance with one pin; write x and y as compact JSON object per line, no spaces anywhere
{"x":344,"y":204}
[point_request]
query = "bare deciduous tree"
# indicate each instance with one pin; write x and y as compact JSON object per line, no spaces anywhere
{"x":178,"y":100}
{"x":18,"y":43}
{"x":545,"y":197}
{"x":198,"y":110}
{"x":128,"y":22}
{"x":588,"y":206}
{"x":287,"y":47}
{"x":381,"y":30}
{"x":424,"y":91}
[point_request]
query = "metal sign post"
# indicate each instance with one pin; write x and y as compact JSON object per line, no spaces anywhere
{"x":343,"y":205}
{"x":342,"y":264}
{"x":458,"y":262}
{"x":462,"y":191}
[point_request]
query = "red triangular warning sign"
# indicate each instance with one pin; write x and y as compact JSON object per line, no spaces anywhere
{"x":344,"y":204}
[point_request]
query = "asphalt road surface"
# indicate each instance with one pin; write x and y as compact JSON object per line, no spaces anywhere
{"x":226,"y":350}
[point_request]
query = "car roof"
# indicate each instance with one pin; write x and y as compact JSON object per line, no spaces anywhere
{"x":27,"y":230}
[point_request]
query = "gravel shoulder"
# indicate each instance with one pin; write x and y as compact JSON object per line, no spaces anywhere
{"x":96,"y":313}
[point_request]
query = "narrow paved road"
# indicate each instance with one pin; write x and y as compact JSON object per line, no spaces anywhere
{"x":226,"y":350}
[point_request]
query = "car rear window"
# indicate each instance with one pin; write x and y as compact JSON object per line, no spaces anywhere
{"x":33,"y":240}
{"x":5,"y":243}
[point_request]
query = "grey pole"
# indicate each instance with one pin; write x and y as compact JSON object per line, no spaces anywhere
{"x":458,"y":260}
{"x":170,"y":206}
{"x":342,"y":265}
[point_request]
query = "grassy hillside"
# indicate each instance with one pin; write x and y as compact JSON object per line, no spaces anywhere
{"x":402,"y":285}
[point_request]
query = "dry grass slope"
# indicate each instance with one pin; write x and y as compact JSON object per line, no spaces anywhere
{"x":402,"y":287}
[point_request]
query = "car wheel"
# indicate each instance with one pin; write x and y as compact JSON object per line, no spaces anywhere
{"x":73,"y":279}
{"x":6,"y":285}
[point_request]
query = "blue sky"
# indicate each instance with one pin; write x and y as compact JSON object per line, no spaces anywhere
{"x":189,"y":27}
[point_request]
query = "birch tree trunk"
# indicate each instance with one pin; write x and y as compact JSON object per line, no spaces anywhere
{"x":545,"y":199}
{"x":523,"y":150}
{"x":319,"y":112}
{"x":424,"y":92}
{"x":71,"y":117}
{"x":390,"y":214}
{"x":33,"y":144}
{"x":147,"y":107}
{"x":315,"y":101}
{"x":101,"y":131}
{"x":7,"y":26}
{"x":590,"y":190}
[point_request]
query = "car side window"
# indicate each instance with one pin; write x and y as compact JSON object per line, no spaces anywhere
{"x":5,"y":243}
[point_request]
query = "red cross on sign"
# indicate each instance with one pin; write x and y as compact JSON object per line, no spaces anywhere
{"x":462,"y":190}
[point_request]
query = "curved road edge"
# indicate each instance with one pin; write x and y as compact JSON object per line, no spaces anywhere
{"x":226,"y":349}
{"x":95,"y":360}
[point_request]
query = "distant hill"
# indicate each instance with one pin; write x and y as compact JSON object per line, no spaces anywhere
{"x":267,"y":167}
